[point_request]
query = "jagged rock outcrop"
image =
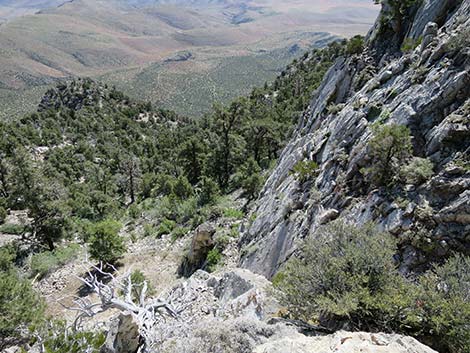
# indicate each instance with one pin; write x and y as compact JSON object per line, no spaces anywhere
{"x":201,"y":244}
{"x":232,"y":312}
{"x":427,"y":90}
{"x":344,"y":342}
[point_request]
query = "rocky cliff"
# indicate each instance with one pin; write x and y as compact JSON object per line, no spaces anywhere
{"x":419,"y":79}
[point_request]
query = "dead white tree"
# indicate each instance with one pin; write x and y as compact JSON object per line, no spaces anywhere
{"x":116,"y":292}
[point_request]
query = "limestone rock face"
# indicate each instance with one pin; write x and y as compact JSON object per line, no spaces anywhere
{"x":123,"y":335}
{"x":428,"y":91}
{"x":344,"y":342}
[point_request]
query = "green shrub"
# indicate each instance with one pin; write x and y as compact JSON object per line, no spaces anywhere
{"x":233,"y":213}
{"x":389,"y":149}
{"x":134,"y":211}
{"x":7,"y":257}
{"x":346,"y":275}
{"x":179,"y":232}
{"x":58,"y":338}
{"x":3,"y":214}
{"x":249,"y":178}
{"x":20,"y":305}
{"x":48,"y":261}
{"x":305,"y":170}
{"x":213,"y":258}
{"x":444,"y":306}
{"x":105,"y":243}
{"x":149,"y":230}
{"x":184,"y":210}
{"x":209,"y":192}
{"x":165,"y":227}
{"x":410,"y":44}
{"x":417,"y":171}
{"x":337,"y":278}
{"x":460,"y":40}
{"x":11,"y":228}
{"x":355,"y":45}
{"x":164,"y":184}
{"x":182,"y":188}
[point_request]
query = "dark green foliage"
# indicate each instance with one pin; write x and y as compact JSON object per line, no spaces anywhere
{"x":209,"y":191}
{"x":7,"y":257}
{"x":355,"y":45}
{"x":3,"y":214}
{"x":165,"y":227}
{"x":250,"y":179}
{"x":105,"y":243}
{"x":182,"y":189}
{"x":444,"y":305}
{"x":389,"y":149}
{"x":20,"y":306}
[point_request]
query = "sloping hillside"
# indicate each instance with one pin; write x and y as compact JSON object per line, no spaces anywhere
{"x":413,"y":73}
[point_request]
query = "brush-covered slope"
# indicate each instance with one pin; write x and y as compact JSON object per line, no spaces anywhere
{"x":413,"y":74}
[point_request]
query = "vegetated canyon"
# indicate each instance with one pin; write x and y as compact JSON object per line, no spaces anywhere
{"x":328,"y":211}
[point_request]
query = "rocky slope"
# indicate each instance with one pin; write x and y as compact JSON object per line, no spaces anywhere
{"x":427,"y":90}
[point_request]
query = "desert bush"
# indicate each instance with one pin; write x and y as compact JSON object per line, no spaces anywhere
{"x":410,"y":44}
{"x":48,"y":261}
{"x":182,"y":188}
{"x":213,"y":259}
{"x":185,"y":210}
{"x":305,"y":170}
{"x":7,"y":257}
{"x":355,"y":45}
{"x":165,"y":227}
{"x":233,"y":213}
{"x":179,"y":232}
{"x":105,"y":243}
{"x":444,"y":306}
{"x":417,"y":171}
{"x":149,"y":230}
{"x":460,"y":40}
{"x":389,"y":148}
{"x":337,"y":278}
{"x":58,"y":338}
{"x":12,"y":228}
{"x":345,"y":276}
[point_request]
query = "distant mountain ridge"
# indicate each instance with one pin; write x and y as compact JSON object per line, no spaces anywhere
{"x":235,"y":45}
